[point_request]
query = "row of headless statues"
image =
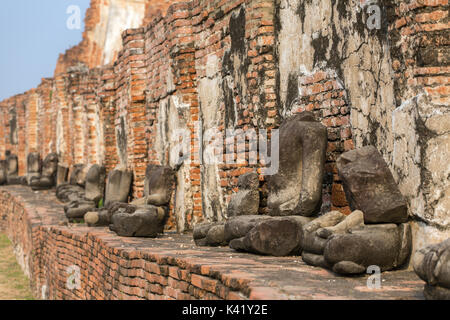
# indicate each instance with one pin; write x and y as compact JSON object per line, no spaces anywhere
{"x":376,"y":233}
{"x":99,"y":200}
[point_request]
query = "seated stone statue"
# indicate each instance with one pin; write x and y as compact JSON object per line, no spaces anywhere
{"x":245,"y":202}
{"x":61,"y":175}
{"x":12,"y":170}
{"x":260,"y":234}
{"x":294,"y":191}
{"x":275,"y":236}
{"x":34,"y":166}
{"x":210,"y":234}
{"x":74,"y":189}
{"x":297,"y":187}
{"x":3,"y":171}
{"x":47,"y":179}
{"x":118,"y":187}
{"x":144,"y":217}
{"x":93,"y":193}
{"x":350,"y":246}
{"x":146,"y":221}
{"x":370,"y":187}
{"x":432,"y":265}
{"x":378,"y":236}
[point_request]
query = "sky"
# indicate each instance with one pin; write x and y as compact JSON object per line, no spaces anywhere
{"x":32,"y":35}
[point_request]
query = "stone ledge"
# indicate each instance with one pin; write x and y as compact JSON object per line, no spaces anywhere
{"x":170,"y":267}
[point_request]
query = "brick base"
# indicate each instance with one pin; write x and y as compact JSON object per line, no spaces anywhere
{"x":170,"y":267}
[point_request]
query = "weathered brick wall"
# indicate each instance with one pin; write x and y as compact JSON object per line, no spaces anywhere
{"x":421,"y":123}
{"x":108,"y":270}
{"x":249,"y":64}
{"x":13,"y":121}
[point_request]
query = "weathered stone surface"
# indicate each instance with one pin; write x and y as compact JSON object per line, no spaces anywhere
{"x":78,"y":208}
{"x":436,"y":293}
{"x":61,"y":175}
{"x":297,"y":187}
{"x":316,"y":260}
{"x":158,"y":185}
{"x":348,"y":267}
{"x":355,"y":219}
{"x":370,"y":187}
{"x":210,"y":234}
{"x":138,"y":219}
{"x":12,"y":170}
{"x":347,"y":246}
{"x":67,"y":192}
{"x":246,"y":200}
{"x":78,"y":175}
{"x":3,"y":170}
{"x":75,"y":188}
{"x":432,"y":264}
{"x":237,"y":227}
{"x":102,"y":217}
{"x":87,"y":199}
{"x":387,"y":246}
{"x":312,"y":243}
{"x":34,"y":166}
{"x":95,"y":183}
{"x":147,"y":221}
{"x":47,"y":178}
{"x":280,"y":236}
{"x":118,"y":186}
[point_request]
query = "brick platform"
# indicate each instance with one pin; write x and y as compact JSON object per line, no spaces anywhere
{"x":170,"y":267}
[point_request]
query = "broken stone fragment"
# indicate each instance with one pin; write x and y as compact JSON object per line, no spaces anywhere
{"x":82,"y":202}
{"x":246,"y":200}
{"x":78,"y":208}
{"x":296,"y":189}
{"x":102,"y":217}
{"x":278,"y":236}
{"x":34,"y":166}
{"x":237,"y":227}
{"x":118,"y":186}
{"x":78,"y":175}
{"x":347,"y":246}
{"x":12,"y":170}
{"x":370,"y":187}
{"x":47,"y":179}
{"x":95,"y":183}
{"x":3,"y":170}
{"x":74,"y":189}
{"x":147,"y":221}
{"x":387,"y":246}
{"x":210,"y":234}
{"x":138,"y":219}
{"x":61,"y":175}
{"x":67,"y":192}
{"x":355,"y":219}
{"x":316,"y":260}
{"x":158,"y":186}
{"x":312,"y":242}
{"x":432,"y":265}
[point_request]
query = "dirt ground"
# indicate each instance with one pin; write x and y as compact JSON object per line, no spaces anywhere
{"x":14,"y":285}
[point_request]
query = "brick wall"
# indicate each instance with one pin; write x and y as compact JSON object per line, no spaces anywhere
{"x":45,"y":249}
{"x":238,"y":65}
